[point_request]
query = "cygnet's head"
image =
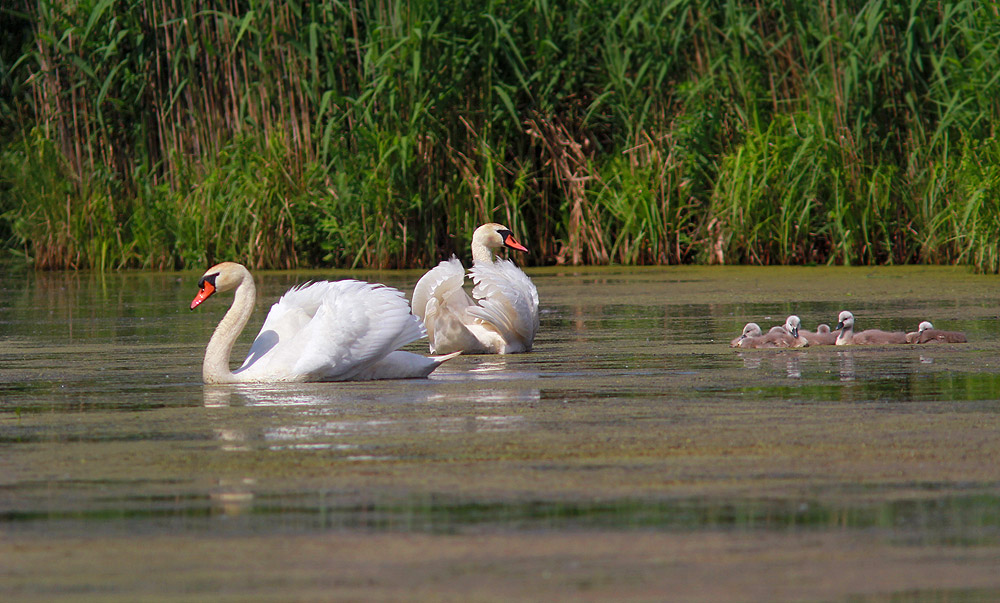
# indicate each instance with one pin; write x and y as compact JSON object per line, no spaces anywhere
{"x":792,"y":324}
{"x":845,"y":320}
{"x":751,"y":329}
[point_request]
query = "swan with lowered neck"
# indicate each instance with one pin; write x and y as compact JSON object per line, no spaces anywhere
{"x":751,"y":329}
{"x":321,"y":331}
{"x":793,"y":326}
{"x":926,"y":333}
{"x":501,"y":316}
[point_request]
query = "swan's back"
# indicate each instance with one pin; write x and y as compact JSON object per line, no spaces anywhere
{"x":775,"y":338}
{"x":508,"y":301}
{"x":441,"y":302}
{"x":879,"y":337}
{"x":820,"y":337}
{"x":440,"y":286}
{"x":937,"y":335}
{"x":330,"y":331}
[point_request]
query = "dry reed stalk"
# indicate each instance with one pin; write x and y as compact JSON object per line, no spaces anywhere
{"x":572,"y":170}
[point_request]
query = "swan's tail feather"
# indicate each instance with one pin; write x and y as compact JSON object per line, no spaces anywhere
{"x":445,"y":357}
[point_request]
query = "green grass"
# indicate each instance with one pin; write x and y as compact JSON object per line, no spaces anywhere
{"x":145,"y":133}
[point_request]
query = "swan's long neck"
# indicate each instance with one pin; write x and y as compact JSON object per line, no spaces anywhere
{"x":846,"y":334}
{"x":215,"y":369}
{"x":480,"y":252}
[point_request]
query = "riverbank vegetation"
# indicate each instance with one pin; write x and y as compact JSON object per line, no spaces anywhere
{"x":177,"y":133}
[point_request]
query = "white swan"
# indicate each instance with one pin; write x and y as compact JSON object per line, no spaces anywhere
{"x":501,"y":317}
{"x":322,"y":331}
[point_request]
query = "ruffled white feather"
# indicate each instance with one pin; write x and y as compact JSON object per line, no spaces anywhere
{"x":321,"y":331}
{"x":501,"y":317}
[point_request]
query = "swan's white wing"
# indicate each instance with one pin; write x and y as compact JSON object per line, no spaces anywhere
{"x":437,"y":283}
{"x":357,"y":325}
{"x":508,"y":300}
{"x":403,"y":365}
{"x":441,"y":302}
{"x":353,"y":326}
{"x":286,"y":318}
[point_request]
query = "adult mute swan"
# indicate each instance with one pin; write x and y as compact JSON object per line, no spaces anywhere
{"x":321,"y":331}
{"x":501,"y":317}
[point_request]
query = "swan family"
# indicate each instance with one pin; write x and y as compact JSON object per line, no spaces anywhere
{"x":791,"y":335}
{"x":352,"y":330}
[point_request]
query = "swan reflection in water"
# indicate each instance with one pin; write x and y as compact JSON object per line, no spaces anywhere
{"x":232,"y":497}
{"x":486,"y":368}
{"x":313,"y":424}
{"x":846,"y":361}
{"x":791,"y":361}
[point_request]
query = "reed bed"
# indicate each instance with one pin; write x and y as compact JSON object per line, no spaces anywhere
{"x":175,"y":133}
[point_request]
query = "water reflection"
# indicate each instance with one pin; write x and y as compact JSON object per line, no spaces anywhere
{"x":310,"y":428}
{"x":488,"y":368}
{"x":789,"y":360}
{"x":232,"y":498}
{"x":792,"y":366}
{"x":846,"y":361}
{"x":233,"y":440}
{"x":285,"y":395}
{"x":848,"y":365}
{"x":368,"y":429}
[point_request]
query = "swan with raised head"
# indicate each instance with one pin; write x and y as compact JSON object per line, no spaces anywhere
{"x":501,"y":316}
{"x":321,"y":331}
{"x":926,"y":333}
{"x":868,"y":337}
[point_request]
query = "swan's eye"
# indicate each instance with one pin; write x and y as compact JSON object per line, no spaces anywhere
{"x":507,"y":237}
{"x":208,"y":278}
{"x":206,"y":287}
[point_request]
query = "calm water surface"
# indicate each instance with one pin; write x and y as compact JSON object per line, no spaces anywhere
{"x":632,"y":455}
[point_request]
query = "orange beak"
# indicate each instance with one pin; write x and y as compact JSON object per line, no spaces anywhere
{"x":511,"y":242}
{"x":207,"y":289}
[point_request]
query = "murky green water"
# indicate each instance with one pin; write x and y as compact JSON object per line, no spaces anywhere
{"x":633,"y":455}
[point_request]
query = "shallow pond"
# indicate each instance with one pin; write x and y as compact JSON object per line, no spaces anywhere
{"x":632,"y":455}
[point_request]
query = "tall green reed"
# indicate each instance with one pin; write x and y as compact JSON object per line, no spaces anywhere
{"x":381,"y":133}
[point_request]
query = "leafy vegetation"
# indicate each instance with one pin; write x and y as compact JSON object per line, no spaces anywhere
{"x":147,"y":133}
